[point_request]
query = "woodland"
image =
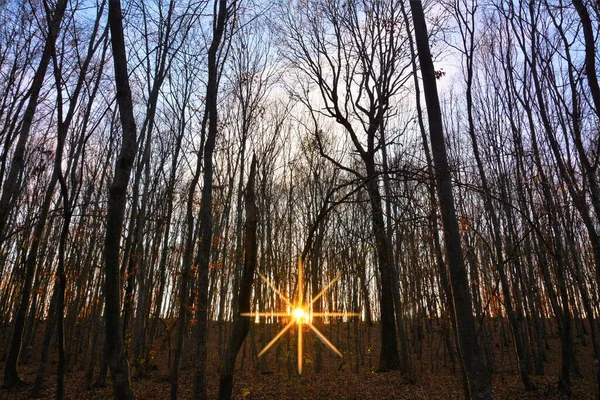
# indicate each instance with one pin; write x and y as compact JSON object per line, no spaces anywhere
{"x":307,"y":199}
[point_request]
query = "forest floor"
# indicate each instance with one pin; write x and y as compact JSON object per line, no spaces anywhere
{"x":339,"y":379}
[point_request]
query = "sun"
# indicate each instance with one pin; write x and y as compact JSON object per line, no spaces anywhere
{"x":300,"y":315}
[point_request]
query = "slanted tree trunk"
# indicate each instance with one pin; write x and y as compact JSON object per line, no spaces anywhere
{"x":435,"y":243}
{"x":10,"y":186}
{"x":477,"y":374}
{"x":68,"y":198}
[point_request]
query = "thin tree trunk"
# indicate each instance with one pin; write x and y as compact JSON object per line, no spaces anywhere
{"x":11,"y":377}
{"x":389,"y":358}
{"x":206,"y":223}
{"x":50,"y":322}
{"x":241,"y":323}
{"x":11,"y":184}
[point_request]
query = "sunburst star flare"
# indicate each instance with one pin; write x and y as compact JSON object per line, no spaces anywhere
{"x":300,"y":315}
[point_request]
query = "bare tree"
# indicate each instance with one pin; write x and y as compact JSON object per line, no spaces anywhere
{"x":477,"y":374}
{"x":241,"y":324}
{"x":356,"y":69}
{"x":117,"y":360}
{"x":11,"y":187}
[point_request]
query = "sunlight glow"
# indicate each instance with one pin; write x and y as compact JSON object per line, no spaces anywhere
{"x":299,"y":316}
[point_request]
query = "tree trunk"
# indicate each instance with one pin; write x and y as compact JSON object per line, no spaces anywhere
{"x":11,"y":184}
{"x":117,"y":200}
{"x":388,"y":359}
{"x":477,"y":374}
{"x":206,"y":225}
{"x":315,"y":275}
{"x":11,"y":377}
{"x":241,"y":324}
{"x":521,"y":350}
{"x":50,"y":321}
{"x":590,"y":52}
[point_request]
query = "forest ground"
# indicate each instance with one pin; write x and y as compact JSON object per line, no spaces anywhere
{"x":433,"y":374}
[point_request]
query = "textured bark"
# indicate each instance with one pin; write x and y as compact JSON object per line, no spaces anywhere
{"x":477,"y":374}
{"x":117,"y":199}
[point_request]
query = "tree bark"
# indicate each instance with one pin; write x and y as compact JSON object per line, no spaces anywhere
{"x":11,"y":377}
{"x":590,"y":52}
{"x":388,"y":359}
{"x":206,"y":222}
{"x":477,"y":374}
{"x":241,"y":324}
{"x":117,"y":199}
{"x":11,"y":184}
